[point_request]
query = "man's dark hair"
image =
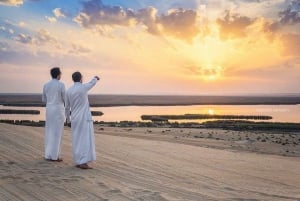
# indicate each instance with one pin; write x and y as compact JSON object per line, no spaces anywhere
{"x":55,"y":72}
{"x":76,"y":76}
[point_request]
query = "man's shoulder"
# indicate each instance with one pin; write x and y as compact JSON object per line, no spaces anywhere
{"x":61,"y":84}
{"x":70,"y":89}
{"x":53,"y":83}
{"x":47,"y":83}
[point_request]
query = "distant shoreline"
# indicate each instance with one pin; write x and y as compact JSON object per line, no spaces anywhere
{"x":235,"y":125}
{"x":34,"y":100}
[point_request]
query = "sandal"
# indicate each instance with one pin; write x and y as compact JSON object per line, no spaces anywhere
{"x":51,"y":160}
{"x":84,"y":166}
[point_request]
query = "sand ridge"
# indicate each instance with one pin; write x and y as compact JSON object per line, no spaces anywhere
{"x":129,"y":168}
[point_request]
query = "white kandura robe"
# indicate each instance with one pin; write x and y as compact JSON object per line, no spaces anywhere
{"x":77,"y":103}
{"x":54,"y":97}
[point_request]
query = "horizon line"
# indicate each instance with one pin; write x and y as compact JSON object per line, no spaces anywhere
{"x":206,"y":94}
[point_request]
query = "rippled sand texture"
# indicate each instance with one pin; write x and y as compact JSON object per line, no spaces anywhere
{"x":129,"y":168}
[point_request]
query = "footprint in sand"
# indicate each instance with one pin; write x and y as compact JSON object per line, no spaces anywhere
{"x":146,"y":195}
{"x":11,"y":162}
{"x":116,"y":194}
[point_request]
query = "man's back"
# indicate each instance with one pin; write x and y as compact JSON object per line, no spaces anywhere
{"x":82,"y":129}
{"x":54,"y":97}
{"x":77,"y":100}
{"x":54,"y":92}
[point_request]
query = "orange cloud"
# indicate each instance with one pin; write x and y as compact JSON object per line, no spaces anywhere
{"x":290,"y":45}
{"x":233,"y":25}
{"x":11,"y":2}
{"x":180,"y":23}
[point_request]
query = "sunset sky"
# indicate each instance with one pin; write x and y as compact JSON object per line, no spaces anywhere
{"x":151,"y":46}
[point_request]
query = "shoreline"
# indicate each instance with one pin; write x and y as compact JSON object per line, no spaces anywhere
{"x":281,"y":139}
{"x":235,"y":125}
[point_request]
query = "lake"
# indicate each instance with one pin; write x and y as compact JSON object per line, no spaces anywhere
{"x":280,"y":113}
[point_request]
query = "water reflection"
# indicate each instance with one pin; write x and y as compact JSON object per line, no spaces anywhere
{"x":280,"y":113}
{"x":211,"y":111}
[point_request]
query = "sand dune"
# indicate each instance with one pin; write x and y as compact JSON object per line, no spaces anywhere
{"x":129,"y":168}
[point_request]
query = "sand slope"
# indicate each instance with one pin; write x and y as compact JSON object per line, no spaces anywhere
{"x":141,"y":169}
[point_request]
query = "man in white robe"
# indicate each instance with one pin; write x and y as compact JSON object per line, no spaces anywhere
{"x":54,"y":97}
{"x":79,"y":115}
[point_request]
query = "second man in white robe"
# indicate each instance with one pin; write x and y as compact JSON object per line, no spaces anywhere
{"x":79,"y":114}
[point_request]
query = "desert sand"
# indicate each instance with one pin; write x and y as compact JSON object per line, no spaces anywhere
{"x":143,"y":164}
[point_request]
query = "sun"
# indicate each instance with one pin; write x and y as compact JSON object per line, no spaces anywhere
{"x":210,"y":55}
{"x":211,"y":77}
{"x":211,"y":112}
{"x":211,"y":72}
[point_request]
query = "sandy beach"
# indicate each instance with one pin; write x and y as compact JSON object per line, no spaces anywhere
{"x":151,"y":164}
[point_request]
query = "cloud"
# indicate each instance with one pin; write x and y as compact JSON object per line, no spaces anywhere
{"x":42,"y":57}
{"x":291,"y":45}
{"x":4,"y":46}
{"x":11,"y":2}
{"x":10,"y":29}
{"x":23,"y":38}
{"x":79,"y":49}
{"x":22,"y":24}
{"x":291,"y":15}
{"x":233,"y":25}
{"x":95,"y":13}
{"x":41,"y":37}
{"x":58,"y":12}
{"x":44,"y":36}
{"x":43,"y":41}
{"x":147,"y":17}
{"x":51,"y":19}
{"x":252,"y":1}
{"x":9,"y":56}
{"x":179,"y":23}
{"x":205,"y":72}
{"x":6,"y":30}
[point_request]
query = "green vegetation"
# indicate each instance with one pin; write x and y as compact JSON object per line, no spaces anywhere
{"x":96,"y":113}
{"x":238,"y":125}
{"x":13,"y":111}
{"x":250,"y":125}
{"x":24,"y":122}
{"x":201,"y":116}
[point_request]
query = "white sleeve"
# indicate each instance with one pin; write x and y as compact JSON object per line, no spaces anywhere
{"x":90,"y":84}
